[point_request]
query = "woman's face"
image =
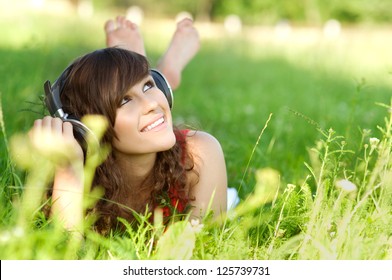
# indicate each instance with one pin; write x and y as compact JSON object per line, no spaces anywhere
{"x":143,"y":123}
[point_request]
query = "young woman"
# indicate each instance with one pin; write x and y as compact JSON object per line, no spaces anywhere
{"x":152,"y":164}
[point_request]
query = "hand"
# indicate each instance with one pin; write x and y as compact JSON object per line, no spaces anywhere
{"x":54,"y":139}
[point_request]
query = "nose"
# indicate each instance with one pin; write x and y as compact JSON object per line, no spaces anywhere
{"x":149,"y":103}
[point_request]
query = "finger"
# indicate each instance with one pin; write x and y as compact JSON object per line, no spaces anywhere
{"x":47,"y":123}
{"x":41,"y":128}
{"x":68,"y":130}
{"x":57,"y":126}
{"x":37,"y":126}
{"x":69,"y":135}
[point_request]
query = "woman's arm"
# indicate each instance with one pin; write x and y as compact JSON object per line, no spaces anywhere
{"x":67,"y":195}
{"x":211,"y":187}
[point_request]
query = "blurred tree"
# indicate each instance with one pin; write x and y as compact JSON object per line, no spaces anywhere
{"x":305,"y":11}
{"x":204,"y":9}
{"x":264,"y":11}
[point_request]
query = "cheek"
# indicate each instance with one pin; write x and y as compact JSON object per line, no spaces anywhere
{"x":126,"y":126}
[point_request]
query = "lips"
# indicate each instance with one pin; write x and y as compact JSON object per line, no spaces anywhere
{"x":153,"y":125}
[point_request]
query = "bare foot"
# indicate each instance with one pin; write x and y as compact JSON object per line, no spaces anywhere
{"x":183,"y":47}
{"x":123,"y":33}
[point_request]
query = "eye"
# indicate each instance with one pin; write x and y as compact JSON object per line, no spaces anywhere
{"x":149,"y":84}
{"x":125,"y":100}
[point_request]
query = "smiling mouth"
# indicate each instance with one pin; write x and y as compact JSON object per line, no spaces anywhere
{"x":153,"y":125}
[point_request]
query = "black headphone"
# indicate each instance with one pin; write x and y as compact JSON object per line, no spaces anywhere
{"x":80,"y":130}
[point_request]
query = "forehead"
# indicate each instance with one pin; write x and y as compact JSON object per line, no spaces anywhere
{"x":140,"y":83}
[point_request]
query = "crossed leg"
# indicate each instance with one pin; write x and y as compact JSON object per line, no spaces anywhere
{"x":184,"y":45}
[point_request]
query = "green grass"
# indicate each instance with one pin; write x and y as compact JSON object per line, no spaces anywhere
{"x":323,"y":99}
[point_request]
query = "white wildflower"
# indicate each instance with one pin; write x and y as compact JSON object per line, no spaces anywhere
{"x":196,"y":225}
{"x":18,"y":232}
{"x":374,"y":141}
{"x":346,"y":185}
{"x":373,"y":144}
{"x":290,"y":188}
{"x":5,"y":237}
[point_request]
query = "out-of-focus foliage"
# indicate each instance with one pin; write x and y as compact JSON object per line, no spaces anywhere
{"x":308,"y":11}
{"x":267,"y":11}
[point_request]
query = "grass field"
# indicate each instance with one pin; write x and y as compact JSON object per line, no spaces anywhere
{"x":327,"y":131}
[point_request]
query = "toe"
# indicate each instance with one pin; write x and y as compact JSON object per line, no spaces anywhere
{"x":121,"y":21}
{"x":131,"y":25}
{"x":109,"y":26}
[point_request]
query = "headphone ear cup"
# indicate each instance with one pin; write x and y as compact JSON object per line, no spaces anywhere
{"x":163,"y":85}
{"x":82,"y":134}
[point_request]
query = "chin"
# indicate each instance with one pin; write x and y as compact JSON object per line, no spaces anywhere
{"x":162,"y":143}
{"x":170,"y":142}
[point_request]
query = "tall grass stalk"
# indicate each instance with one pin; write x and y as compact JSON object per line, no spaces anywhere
{"x":253,"y":151}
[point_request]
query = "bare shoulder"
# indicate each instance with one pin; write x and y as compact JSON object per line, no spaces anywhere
{"x":211,"y":186}
{"x":203,"y":144}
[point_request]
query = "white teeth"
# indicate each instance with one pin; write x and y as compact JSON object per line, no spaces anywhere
{"x":155,"y":124}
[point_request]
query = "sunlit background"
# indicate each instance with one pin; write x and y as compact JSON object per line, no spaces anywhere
{"x":320,"y":69}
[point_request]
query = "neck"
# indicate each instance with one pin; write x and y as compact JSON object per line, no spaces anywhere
{"x":136,"y":168}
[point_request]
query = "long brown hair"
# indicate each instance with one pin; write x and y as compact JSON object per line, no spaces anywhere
{"x":96,"y":84}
